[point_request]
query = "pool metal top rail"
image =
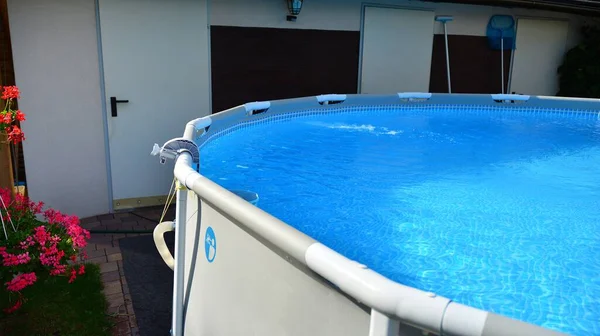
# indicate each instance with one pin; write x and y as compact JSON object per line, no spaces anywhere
{"x":255,"y":112}
{"x":409,"y":305}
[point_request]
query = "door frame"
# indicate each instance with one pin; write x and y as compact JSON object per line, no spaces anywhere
{"x":103,"y":97}
{"x":529,"y":17}
{"x":104,"y":111}
{"x":363,"y":7}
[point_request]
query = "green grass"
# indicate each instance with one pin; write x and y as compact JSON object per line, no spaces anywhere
{"x":59,"y":308}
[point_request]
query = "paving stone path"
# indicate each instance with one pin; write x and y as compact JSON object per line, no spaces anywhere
{"x":103,"y":249}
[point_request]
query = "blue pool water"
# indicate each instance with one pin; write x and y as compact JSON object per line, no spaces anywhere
{"x":500,"y":211}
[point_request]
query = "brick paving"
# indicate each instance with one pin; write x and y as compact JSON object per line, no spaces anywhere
{"x":103,"y":249}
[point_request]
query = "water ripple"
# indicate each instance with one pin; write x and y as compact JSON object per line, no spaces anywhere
{"x":495,"y":211}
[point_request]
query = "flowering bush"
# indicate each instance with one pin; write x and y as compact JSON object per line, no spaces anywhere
{"x":9,"y":118}
{"x":32,"y":250}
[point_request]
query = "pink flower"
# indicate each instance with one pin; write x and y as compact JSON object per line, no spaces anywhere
{"x":28,"y":242}
{"x":58,"y":270}
{"x":71,"y":224}
{"x":6,"y":196}
{"x":73,"y":275}
{"x":51,"y":256}
{"x":51,"y":215}
{"x":14,"y":260}
{"x":36,"y":208}
{"x":45,"y":247}
{"x":41,"y":236}
{"x":21,"y":281}
{"x":15,"y":307}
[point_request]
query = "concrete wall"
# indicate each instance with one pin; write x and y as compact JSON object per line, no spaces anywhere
{"x":56,"y":66}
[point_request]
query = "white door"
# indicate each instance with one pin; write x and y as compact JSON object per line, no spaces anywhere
{"x":396,"y":50}
{"x":156,"y":57}
{"x":540,"y":48}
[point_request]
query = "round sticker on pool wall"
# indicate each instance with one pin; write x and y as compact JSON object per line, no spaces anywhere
{"x":210,"y":244}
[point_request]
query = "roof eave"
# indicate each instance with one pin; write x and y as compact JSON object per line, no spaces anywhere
{"x":585,"y":7}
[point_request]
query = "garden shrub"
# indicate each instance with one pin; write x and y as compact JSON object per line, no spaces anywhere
{"x":32,"y":249}
{"x":579,"y":74}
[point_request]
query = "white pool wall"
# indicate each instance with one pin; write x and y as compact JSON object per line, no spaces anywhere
{"x":267,"y":278}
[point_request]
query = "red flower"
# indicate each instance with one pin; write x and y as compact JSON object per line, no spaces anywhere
{"x":81,"y":270}
{"x":15,"y":134}
{"x":20,"y":116}
{"x":6,"y":118}
{"x":11,"y":92}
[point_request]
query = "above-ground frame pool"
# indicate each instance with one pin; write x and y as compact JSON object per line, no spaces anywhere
{"x":451,"y":214}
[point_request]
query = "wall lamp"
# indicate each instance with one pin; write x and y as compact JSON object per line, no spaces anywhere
{"x":294,"y":7}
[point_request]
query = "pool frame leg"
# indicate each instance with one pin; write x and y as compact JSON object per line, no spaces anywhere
{"x":382,"y":325}
{"x":178,"y":284}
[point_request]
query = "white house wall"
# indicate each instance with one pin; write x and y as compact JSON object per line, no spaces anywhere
{"x":56,"y":67}
{"x":469,"y":20}
{"x":546,"y":37}
{"x":55,"y":49}
{"x":346,"y":15}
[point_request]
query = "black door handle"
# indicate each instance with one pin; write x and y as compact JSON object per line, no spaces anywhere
{"x":113,"y":105}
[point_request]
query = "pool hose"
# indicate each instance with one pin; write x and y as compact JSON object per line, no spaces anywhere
{"x":125,"y":231}
{"x":169,"y":201}
{"x":120,"y":231}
